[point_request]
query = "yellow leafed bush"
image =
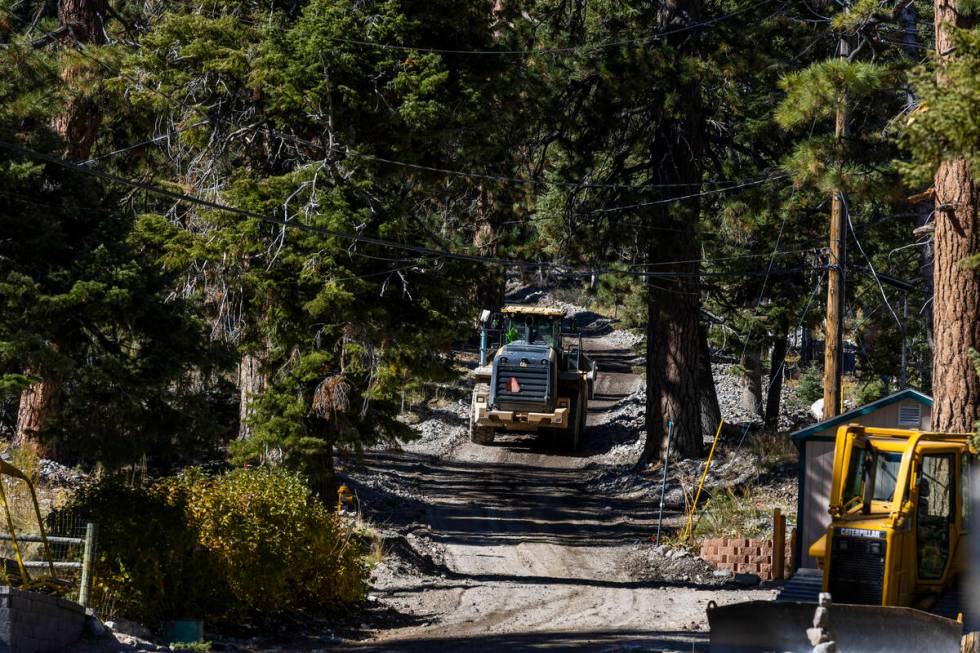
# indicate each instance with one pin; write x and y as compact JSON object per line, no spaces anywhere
{"x":240,"y":546}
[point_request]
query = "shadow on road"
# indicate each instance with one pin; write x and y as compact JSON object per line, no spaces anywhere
{"x":598,"y":640}
{"x":485,"y":504}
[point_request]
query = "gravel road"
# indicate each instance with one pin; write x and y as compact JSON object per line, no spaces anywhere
{"x":510,"y":551}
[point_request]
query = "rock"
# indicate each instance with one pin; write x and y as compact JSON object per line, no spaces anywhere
{"x":94,"y":627}
{"x":722,"y":573}
{"x":127,"y":627}
{"x":747,"y":580}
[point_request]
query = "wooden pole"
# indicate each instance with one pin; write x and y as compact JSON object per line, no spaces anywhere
{"x":833,"y":342}
{"x":88,"y":561}
{"x":778,"y":545}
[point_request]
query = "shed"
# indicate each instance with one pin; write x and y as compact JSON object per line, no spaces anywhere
{"x":907,"y":409}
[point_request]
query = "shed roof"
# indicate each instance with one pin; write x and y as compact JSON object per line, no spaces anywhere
{"x":901,"y":395}
{"x":549,"y":311}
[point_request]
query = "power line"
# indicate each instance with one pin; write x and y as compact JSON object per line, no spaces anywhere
{"x":150,"y":141}
{"x":540,"y":51}
{"x":671,"y":200}
{"x":847,"y":213}
{"x":358,"y":238}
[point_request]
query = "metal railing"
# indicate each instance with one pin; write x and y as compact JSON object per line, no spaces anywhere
{"x":84,"y":566}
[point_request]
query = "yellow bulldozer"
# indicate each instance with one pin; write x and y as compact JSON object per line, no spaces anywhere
{"x":896,"y":548}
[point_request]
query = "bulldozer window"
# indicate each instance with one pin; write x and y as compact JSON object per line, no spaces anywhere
{"x":934,"y":514}
{"x":868,"y":462}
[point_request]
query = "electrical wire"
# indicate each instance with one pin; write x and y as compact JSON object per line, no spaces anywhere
{"x":358,"y":238}
{"x":762,"y":289}
{"x":671,"y":200}
{"x":540,"y":51}
{"x":847,"y":214}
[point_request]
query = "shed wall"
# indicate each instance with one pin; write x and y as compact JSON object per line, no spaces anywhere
{"x":815,"y":519}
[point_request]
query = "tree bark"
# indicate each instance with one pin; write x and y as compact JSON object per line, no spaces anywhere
{"x":37,"y":404}
{"x":710,"y":410}
{"x":751,"y":382}
{"x":78,"y":128}
{"x":774,"y":391}
{"x":674,"y":332}
{"x":956,"y":303}
{"x":252,"y":381}
{"x":673,"y":364}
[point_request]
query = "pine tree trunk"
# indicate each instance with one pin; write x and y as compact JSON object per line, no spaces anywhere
{"x":673,"y":364}
{"x":956,"y":304}
{"x":710,"y":410}
{"x":37,"y":404}
{"x":78,"y":128}
{"x":751,"y":382}
{"x":79,"y":125}
{"x":774,"y":390}
{"x":252,"y":381}
{"x":674,"y":332}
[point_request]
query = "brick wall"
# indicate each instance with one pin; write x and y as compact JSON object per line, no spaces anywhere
{"x":36,"y":623}
{"x":743,"y":556}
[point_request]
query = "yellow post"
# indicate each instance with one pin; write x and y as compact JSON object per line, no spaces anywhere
{"x":707,"y":465}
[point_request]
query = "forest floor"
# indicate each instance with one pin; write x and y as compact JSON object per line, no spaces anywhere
{"x":522,"y":546}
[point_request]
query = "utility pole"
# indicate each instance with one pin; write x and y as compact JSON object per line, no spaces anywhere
{"x":833,"y":343}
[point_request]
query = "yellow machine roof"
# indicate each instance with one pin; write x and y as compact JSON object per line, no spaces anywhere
{"x":548,"y":311}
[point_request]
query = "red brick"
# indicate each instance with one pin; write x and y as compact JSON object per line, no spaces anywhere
{"x":765,"y":571}
{"x":761,"y":559}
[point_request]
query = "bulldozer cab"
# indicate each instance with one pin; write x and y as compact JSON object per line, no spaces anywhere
{"x":897,"y":542}
{"x":899,"y":508}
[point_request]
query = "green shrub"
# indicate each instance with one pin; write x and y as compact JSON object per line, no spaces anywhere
{"x":274,"y":544}
{"x":243,"y":545}
{"x":148,"y":566}
{"x":873,"y":390}
{"x":811,"y":385}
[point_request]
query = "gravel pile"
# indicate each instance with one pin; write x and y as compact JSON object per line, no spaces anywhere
{"x":647,"y":562}
{"x":792,"y":412}
{"x":730,"y":470}
{"x":55,"y":474}
{"x":441,"y":430}
{"x":616,"y":436}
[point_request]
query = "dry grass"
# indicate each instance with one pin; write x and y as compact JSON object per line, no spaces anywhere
{"x":732,"y":514}
{"x":23,"y":516}
{"x":774,"y":450}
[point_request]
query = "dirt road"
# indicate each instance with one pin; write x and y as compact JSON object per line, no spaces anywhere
{"x":517,"y":554}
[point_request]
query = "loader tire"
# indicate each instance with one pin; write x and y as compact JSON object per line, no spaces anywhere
{"x":971,"y":643}
{"x":576,"y":425}
{"x":480,"y":434}
{"x":581,"y":414}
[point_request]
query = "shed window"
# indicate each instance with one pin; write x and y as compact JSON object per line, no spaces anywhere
{"x":910,"y":414}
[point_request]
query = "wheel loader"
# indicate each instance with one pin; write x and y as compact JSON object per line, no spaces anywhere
{"x":533,"y":383}
{"x":896,"y":547}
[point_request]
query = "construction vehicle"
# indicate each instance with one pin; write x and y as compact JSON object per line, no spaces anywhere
{"x":896,"y":547}
{"x":533,"y":382}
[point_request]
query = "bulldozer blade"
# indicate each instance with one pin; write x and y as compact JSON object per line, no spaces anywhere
{"x":765,"y":626}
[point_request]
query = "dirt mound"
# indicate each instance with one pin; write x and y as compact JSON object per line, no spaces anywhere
{"x":647,"y":562}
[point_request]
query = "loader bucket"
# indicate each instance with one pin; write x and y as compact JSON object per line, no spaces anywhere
{"x":765,"y":626}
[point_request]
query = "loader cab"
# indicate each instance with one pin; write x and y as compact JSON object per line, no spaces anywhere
{"x":532,"y":329}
